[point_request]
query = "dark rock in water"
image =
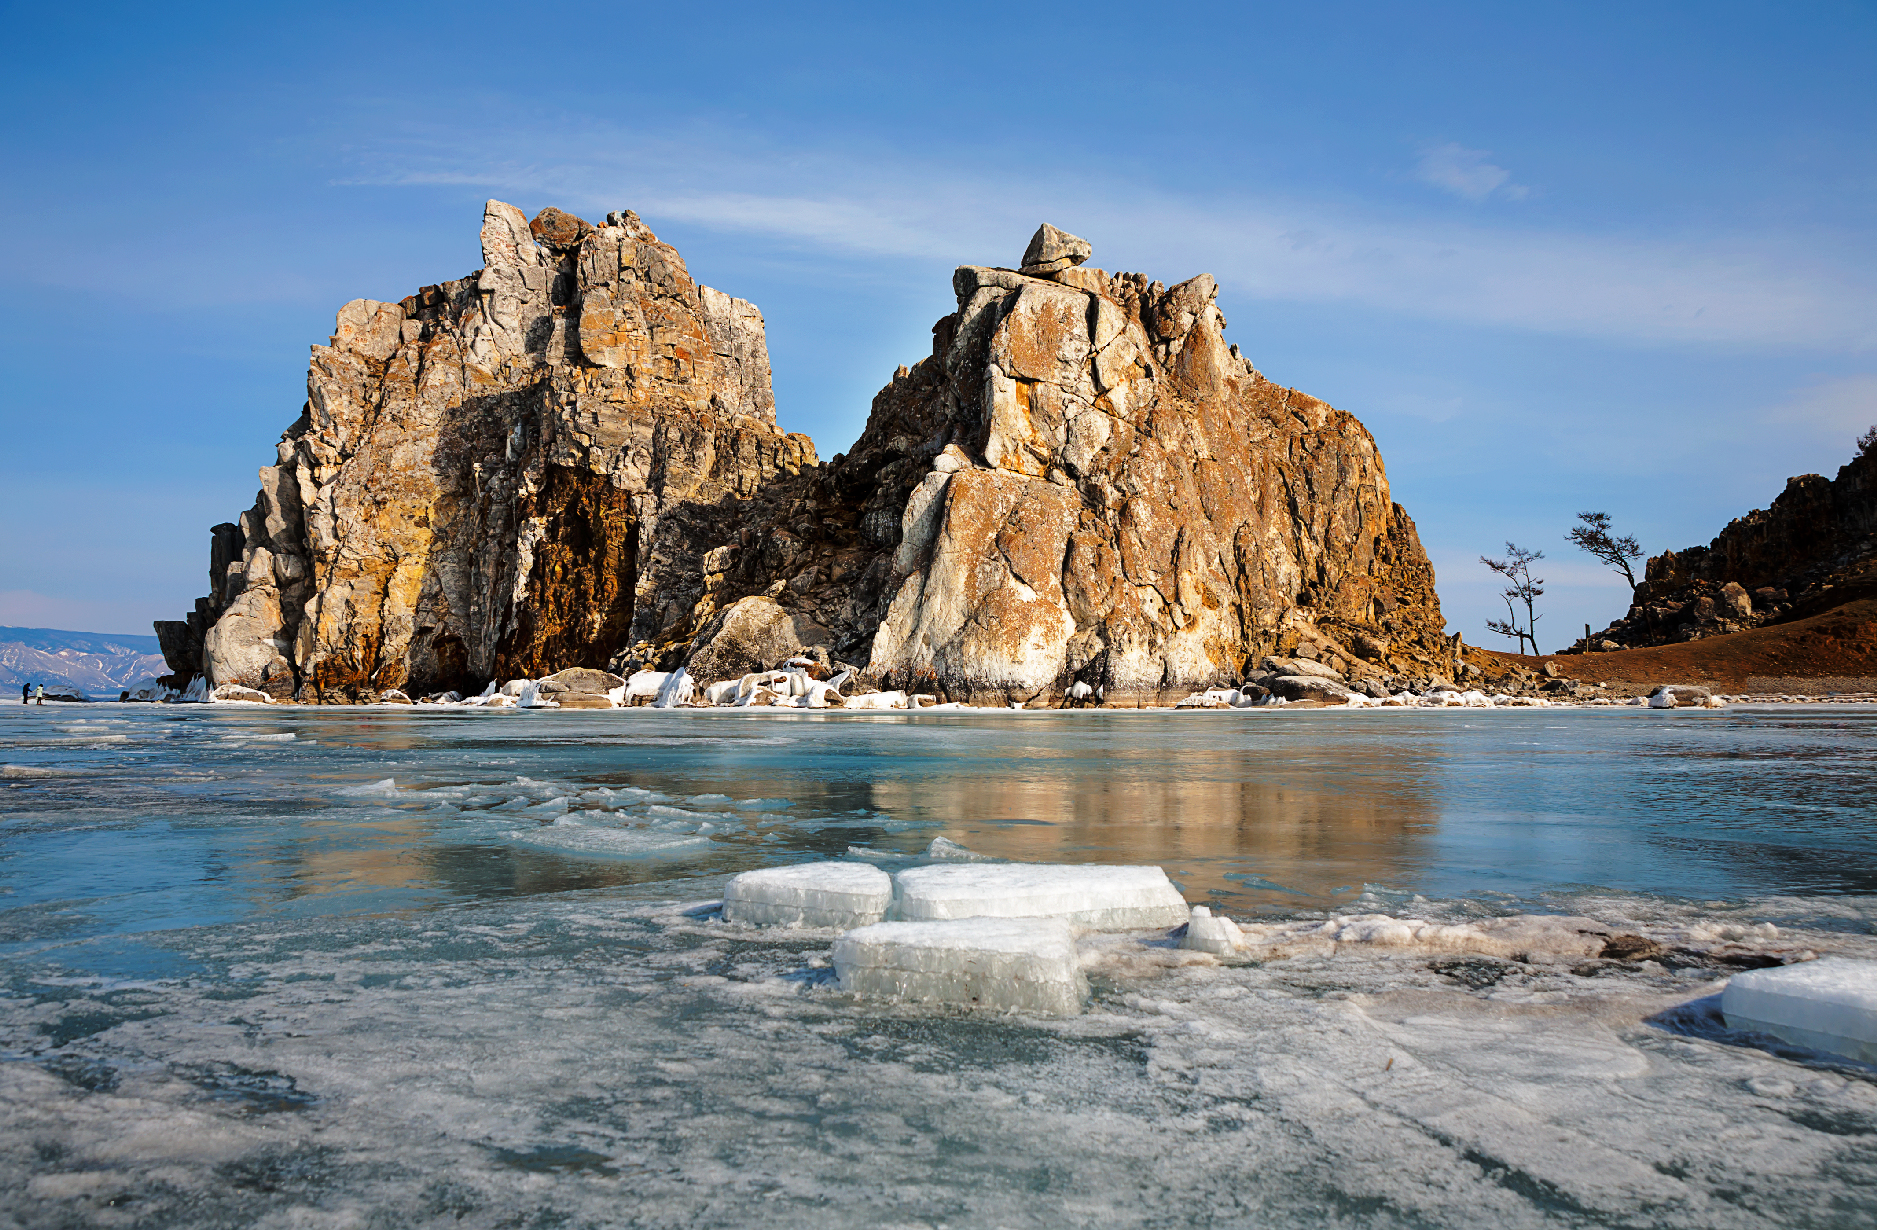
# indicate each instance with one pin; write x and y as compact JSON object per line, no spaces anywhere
{"x":570,"y":459}
{"x":1631,"y":948}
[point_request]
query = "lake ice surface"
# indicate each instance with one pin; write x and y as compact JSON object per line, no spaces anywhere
{"x":380,"y":967}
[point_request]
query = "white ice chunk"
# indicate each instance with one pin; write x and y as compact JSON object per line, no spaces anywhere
{"x":1829,"y":1005}
{"x":1207,"y":932}
{"x":809,"y":895}
{"x":1012,"y":965}
{"x":1102,"y":897}
{"x":675,"y":690}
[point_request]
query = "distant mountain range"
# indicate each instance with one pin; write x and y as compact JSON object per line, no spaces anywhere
{"x":97,"y":664}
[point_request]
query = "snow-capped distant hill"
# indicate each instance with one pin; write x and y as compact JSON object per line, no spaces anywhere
{"x":97,"y":664}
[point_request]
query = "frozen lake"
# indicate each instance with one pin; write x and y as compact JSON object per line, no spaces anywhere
{"x":310,"y":967}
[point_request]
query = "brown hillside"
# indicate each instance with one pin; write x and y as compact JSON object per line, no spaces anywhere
{"x":1835,"y":651}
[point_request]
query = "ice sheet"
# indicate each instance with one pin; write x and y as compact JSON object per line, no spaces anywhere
{"x":1103,"y":897}
{"x":1010,"y":965}
{"x":827,"y":894}
{"x":1829,"y":1005}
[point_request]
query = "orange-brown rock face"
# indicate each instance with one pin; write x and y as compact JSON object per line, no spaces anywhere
{"x":500,"y":476}
{"x":1085,"y":482}
{"x":571,"y":459}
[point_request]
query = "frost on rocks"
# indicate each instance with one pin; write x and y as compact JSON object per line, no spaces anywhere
{"x":1103,"y":898}
{"x":1829,"y":1005}
{"x":809,"y":895}
{"x":1213,"y":933}
{"x":1539,"y":936}
{"x":1006,"y":965}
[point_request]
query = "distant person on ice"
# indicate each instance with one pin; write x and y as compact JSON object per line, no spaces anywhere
{"x":24,"y":689}
{"x":39,"y":694}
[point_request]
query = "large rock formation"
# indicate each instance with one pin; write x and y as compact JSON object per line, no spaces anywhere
{"x":1814,"y":549}
{"x":570,"y":459}
{"x":499,"y":476}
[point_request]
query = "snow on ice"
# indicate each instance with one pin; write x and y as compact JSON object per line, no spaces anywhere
{"x":1100,"y":897}
{"x":826,"y":894}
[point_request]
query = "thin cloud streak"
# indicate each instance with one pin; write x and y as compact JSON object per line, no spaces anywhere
{"x":1637,"y":291}
{"x":1466,"y":173}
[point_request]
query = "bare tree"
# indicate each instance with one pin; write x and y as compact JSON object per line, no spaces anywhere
{"x":1867,"y":443}
{"x":1595,"y":537}
{"x":1524,"y":588}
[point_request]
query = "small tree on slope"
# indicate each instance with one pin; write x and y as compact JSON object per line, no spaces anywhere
{"x":1595,"y":537}
{"x":1867,"y":443}
{"x":1524,"y":588}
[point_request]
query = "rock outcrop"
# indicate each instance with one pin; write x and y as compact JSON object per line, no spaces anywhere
{"x":1085,"y":482}
{"x":1813,"y":550}
{"x":500,"y":476}
{"x":570,"y":459}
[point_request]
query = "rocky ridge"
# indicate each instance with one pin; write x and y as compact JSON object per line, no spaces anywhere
{"x":570,"y":459}
{"x":1814,"y":549}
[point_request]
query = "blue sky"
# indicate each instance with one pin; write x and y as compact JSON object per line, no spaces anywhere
{"x":1593,"y":256}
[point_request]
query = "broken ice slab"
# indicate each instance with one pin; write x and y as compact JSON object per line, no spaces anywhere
{"x":1100,"y":897}
{"x":809,"y":895}
{"x":1213,"y":933}
{"x":1827,"y":1005}
{"x":1022,"y":965}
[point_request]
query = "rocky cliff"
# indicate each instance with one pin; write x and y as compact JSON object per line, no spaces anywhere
{"x":1813,"y":549}
{"x":570,"y":458}
{"x":499,"y":476}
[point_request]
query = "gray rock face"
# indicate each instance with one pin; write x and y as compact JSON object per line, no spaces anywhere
{"x":1052,"y":250}
{"x":1310,"y":687}
{"x":1301,"y":666}
{"x":753,"y":634}
{"x":582,"y":680}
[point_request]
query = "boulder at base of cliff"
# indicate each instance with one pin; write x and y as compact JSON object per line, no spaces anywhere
{"x":1678,"y":696}
{"x":1310,"y":687}
{"x":581,"y":680}
{"x":1301,"y":667}
{"x":63,"y":691}
{"x":748,"y":636}
{"x":234,"y":691}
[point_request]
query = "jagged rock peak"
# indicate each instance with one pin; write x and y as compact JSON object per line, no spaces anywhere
{"x":1051,"y":250}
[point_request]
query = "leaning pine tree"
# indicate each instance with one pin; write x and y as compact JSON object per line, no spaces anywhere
{"x":1523,"y":588}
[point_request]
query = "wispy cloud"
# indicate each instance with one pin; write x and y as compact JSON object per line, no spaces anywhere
{"x":1467,"y":173}
{"x":1844,"y":404}
{"x":1643,"y":290}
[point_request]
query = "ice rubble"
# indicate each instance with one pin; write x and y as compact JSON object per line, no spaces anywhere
{"x":1207,"y":932}
{"x":827,"y":894}
{"x":1828,"y":1005}
{"x":1101,"y":897}
{"x":1027,"y":965}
